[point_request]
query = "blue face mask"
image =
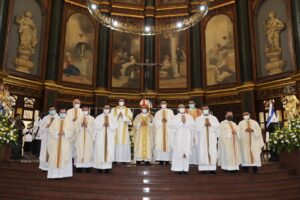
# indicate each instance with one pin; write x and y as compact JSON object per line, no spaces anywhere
{"x":52,"y":112}
{"x":62,"y":115}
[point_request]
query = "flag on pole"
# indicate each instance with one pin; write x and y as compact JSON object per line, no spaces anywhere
{"x":272,"y":115}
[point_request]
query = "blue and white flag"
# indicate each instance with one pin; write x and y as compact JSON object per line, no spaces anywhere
{"x":272,"y":115}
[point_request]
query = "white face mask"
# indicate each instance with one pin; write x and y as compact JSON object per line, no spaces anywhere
{"x":192,"y":106}
{"x":62,"y":115}
{"x":163,"y":106}
{"x":181,"y":110}
{"x":246,"y":117}
{"x":206,"y":112}
{"x":106,"y":111}
{"x":52,"y":112}
{"x":144,"y":110}
{"x":121,"y":103}
{"x":77,"y":105}
{"x":85,"y":113}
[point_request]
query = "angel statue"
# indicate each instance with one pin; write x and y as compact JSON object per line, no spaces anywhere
{"x":291,"y":104}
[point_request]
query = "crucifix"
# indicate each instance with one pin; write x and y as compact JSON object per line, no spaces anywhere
{"x":147,"y":68}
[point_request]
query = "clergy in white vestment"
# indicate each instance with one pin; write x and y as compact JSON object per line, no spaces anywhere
{"x":44,"y":129}
{"x":194,"y":112}
{"x":75,"y":114}
{"x":122,"y":139}
{"x":208,"y":128}
{"x":60,"y":154}
{"x":182,"y":127}
{"x":251,"y":142}
{"x":104,"y":135}
{"x":163,"y":134}
{"x":143,"y":136}
{"x":84,"y":142}
{"x":228,"y":146}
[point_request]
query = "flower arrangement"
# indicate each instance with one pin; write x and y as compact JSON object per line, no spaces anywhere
{"x":286,"y":138}
{"x":7,"y":131}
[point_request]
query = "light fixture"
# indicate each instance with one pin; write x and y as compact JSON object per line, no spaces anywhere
{"x":132,"y":19}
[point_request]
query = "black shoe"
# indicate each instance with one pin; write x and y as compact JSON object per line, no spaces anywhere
{"x":161,"y":163}
{"x":138,"y":162}
{"x":147,"y":163}
{"x":245,"y":169}
{"x":79,"y":170}
{"x":167,"y":163}
{"x":100,"y":171}
{"x":204,"y":172}
{"x":107,"y":171}
{"x":254,"y":169}
{"x":88,"y":170}
{"x":213,"y":172}
{"x":115,"y":163}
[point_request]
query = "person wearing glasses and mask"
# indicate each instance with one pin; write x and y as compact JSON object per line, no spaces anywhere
{"x":60,"y":151}
{"x":44,"y":126}
{"x":251,"y":143}
{"x":143,"y":136}
{"x":122,"y":147}
{"x":182,"y":127}
{"x":208,"y":128}
{"x":104,"y":136}
{"x":228,"y":146}
{"x":84,"y":143}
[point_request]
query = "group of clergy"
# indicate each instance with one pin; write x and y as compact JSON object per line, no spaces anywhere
{"x":192,"y":136}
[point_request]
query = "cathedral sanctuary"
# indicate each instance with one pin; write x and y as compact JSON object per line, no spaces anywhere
{"x":149,"y":99}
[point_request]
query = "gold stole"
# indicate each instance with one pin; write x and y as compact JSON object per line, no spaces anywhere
{"x":164,"y":131}
{"x":233,"y":138}
{"x":125,"y":126}
{"x":144,"y":133}
{"x":75,"y":114}
{"x":105,"y":138}
{"x":250,"y":142}
{"x":84,"y":123}
{"x":207,"y":138}
{"x":61,"y":131}
{"x":47,"y":154}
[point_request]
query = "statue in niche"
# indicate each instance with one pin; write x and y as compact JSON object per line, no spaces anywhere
{"x":291,"y":103}
{"x":28,"y":41}
{"x":273,"y":27}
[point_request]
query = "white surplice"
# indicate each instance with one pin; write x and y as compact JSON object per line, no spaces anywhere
{"x":84,"y":143}
{"x":104,"y":137}
{"x":60,"y":156}
{"x":207,"y":142}
{"x":182,"y":142}
{"x":44,"y":130}
{"x":122,"y":138}
{"x":228,"y":146}
{"x":163,"y":136}
{"x":74,"y":114}
{"x":194,"y":156}
{"x":250,"y":143}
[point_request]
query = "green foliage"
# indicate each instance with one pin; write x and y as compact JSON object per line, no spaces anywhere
{"x":8,"y":133}
{"x":286,"y":138}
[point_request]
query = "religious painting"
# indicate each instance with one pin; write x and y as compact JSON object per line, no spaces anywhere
{"x":25,"y":38}
{"x":273,"y":38}
{"x":78,"y":60}
{"x":172,"y":55}
{"x":126,"y":53}
{"x":220,"y":51}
